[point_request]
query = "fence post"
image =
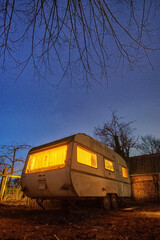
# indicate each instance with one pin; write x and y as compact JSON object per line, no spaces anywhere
{"x":3,"y":183}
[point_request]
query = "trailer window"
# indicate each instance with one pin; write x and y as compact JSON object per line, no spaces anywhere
{"x":124,"y":172}
{"x":47,"y":160}
{"x":109,"y":165}
{"x":86,"y":157}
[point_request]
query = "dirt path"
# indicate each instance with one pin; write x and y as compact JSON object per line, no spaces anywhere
{"x":17,"y":222}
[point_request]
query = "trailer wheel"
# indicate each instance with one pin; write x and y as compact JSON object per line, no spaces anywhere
{"x":114,"y":201}
{"x":106,"y":202}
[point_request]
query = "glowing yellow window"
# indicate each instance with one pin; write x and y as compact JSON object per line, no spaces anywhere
{"x":47,"y":160}
{"x":109,"y":165}
{"x":124,"y":172}
{"x":86,"y":157}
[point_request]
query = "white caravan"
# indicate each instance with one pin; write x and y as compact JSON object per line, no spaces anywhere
{"x":76,"y":167}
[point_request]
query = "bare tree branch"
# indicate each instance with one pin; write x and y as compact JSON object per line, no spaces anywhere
{"x":79,"y":39}
{"x":149,"y":145}
{"x":117,"y":135}
{"x":8,"y":155}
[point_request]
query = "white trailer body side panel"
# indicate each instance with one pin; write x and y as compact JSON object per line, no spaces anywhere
{"x":91,"y":182}
{"x":87,"y":185}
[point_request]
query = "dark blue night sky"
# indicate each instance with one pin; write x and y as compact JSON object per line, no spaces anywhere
{"x":37,"y":113}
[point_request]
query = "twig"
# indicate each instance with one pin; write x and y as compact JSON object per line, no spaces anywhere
{"x":56,"y":237}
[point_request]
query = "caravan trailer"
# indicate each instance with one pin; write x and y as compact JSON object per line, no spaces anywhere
{"x":76,"y":167}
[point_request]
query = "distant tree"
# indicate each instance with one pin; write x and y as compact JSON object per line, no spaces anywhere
{"x":149,"y":144}
{"x":118,"y":135}
{"x":8,"y":156}
{"x":85,"y":38}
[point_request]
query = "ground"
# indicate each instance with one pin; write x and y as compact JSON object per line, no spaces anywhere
{"x":82,"y":223}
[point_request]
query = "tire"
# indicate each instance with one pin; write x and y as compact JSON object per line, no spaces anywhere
{"x":105,"y":202}
{"x":114,"y":200}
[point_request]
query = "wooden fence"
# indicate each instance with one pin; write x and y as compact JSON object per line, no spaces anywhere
{"x":5,"y":175}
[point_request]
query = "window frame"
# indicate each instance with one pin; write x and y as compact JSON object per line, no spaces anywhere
{"x":125,"y":171}
{"x":106,"y":159}
{"x":43,"y":169}
{"x":87,"y":150}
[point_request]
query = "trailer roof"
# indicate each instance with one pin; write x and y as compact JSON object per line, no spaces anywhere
{"x":86,"y":141}
{"x":47,"y":145}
